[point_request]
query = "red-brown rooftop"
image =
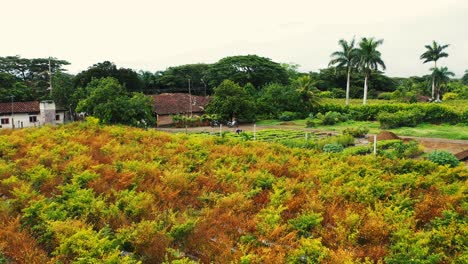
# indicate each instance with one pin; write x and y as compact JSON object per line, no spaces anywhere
{"x":177,"y":103}
{"x":19,"y":107}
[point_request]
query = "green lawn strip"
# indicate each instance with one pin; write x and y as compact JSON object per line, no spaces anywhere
{"x":434,"y":131}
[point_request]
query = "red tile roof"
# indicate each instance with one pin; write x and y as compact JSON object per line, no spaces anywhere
{"x":19,"y":107}
{"x":178,"y":103}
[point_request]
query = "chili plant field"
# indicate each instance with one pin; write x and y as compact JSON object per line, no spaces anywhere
{"x":83,"y":193}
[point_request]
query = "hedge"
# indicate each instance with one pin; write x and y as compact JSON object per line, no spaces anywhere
{"x":430,"y":112}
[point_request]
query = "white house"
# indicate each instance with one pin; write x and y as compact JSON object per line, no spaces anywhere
{"x":29,"y":114}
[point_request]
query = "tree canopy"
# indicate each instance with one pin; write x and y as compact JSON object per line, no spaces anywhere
{"x":345,"y":58}
{"x":433,"y":53}
{"x":369,"y":59}
{"x":176,"y":79}
{"x":230,"y":100}
{"x":32,"y":76}
{"x":107,"y":100}
{"x":127,"y":77}
{"x":253,"y":69}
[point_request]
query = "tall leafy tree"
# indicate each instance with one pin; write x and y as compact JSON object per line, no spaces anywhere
{"x":64,"y":93}
{"x":253,"y":69}
{"x":127,"y":77}
{"x":441,"y":77}
{"x":176,"y":79}
{"x":107,"y":100}
{"x":33,"y":73}
{"x":230,"y":100}
{"x":305,"y":86}
{"x":433,"y":53}
{"x":345,"y":58}
{"x":276,"y":98}
{"x":369,"y":59}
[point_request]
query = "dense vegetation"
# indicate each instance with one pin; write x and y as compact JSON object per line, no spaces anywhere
{"x":257,"y":88}
{"x":84,"y":193}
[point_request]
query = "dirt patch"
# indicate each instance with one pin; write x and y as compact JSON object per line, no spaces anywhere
{"x":384,"y":135}
{"x":462,"y":156}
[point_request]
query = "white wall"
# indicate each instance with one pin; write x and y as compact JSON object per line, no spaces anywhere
{"x":21,"y":119}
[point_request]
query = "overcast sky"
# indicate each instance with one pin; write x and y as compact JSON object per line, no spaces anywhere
{"x":154,"y":35}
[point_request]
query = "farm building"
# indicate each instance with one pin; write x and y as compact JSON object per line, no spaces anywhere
{"x":167,"y":105}
{"x":29,"y":114}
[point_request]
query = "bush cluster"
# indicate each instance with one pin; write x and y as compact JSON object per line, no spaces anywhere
{"x":443,"y":157}
{"x":409,"y":118}
{"x":331,"y":118}
{"x":418,"y":112}
{"x":90,"y":193}
{"x":358,"y":132}
{"x":288,"y":116}
{"x":333,"y":148}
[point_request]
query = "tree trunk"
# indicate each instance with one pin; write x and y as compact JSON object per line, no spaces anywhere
{"x":433,"y":86}
{"x":365,"y":90}
{"x":433,"y":81}
{"x":347,"y":85}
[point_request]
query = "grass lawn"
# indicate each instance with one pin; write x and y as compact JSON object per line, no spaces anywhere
{"x":434,"y":131}
{"x":423,"y":130}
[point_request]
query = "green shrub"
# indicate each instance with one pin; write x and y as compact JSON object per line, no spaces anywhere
{"x":399,"y":119}
{"x":333,"y":148}
{"x":338,"y":93}
{"x":331,"y":118}
{"x":326,"y":94}
{"x":312,"y":122}
{"x":344,"y":140}
{"x":443,"y":157}
{"x":304,"y":222}
{"x":430,"y":113}
{"x":356,"y":132}
{"x":288,"y":116}
{"x":398,"y":149}
{"x":385,"y":96}
{"x":450,"y":96}
{"x":357,"y":150}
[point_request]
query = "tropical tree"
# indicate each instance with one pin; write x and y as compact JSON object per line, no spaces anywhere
{"x":369,"y":59}
{"x":433,"y":53}
{"x":253,"y":69}
{"x":305,"y":86}
{"x":107,"y":100}
{"x":128,"y":78}
{"x":345,"y":58}
{"x":276,"y":98}
{"x":441,"y":77}
{"x":465,"y":78}
{"x":230,"y":100}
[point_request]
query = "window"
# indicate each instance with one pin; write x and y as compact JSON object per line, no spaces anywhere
{"x":57,"y":117}
{"x":5,"y":121}
{"x":33,"y":119}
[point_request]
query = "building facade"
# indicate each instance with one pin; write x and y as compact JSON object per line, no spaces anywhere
{"x":166,"y":105}
{"x":29,"y":114}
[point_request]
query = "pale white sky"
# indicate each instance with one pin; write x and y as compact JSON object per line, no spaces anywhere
{"x":153,"y":35}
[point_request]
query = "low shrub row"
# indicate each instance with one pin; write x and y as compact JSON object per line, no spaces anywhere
{"x":427,"y":112}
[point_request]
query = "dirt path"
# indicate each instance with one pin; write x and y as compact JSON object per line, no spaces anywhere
{"x":430,"y":144}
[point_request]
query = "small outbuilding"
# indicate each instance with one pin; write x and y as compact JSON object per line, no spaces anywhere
{"x":29,"y":114}
{"x":166,"y":105}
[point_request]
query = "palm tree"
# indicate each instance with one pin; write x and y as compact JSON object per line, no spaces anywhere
{"x":434,"y":53}
{"x":465,"y":78}
{"x":441,"y":77}
{"x":369,"y":59}
{"x":345,"y":58}
{"x":305,"y":86}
